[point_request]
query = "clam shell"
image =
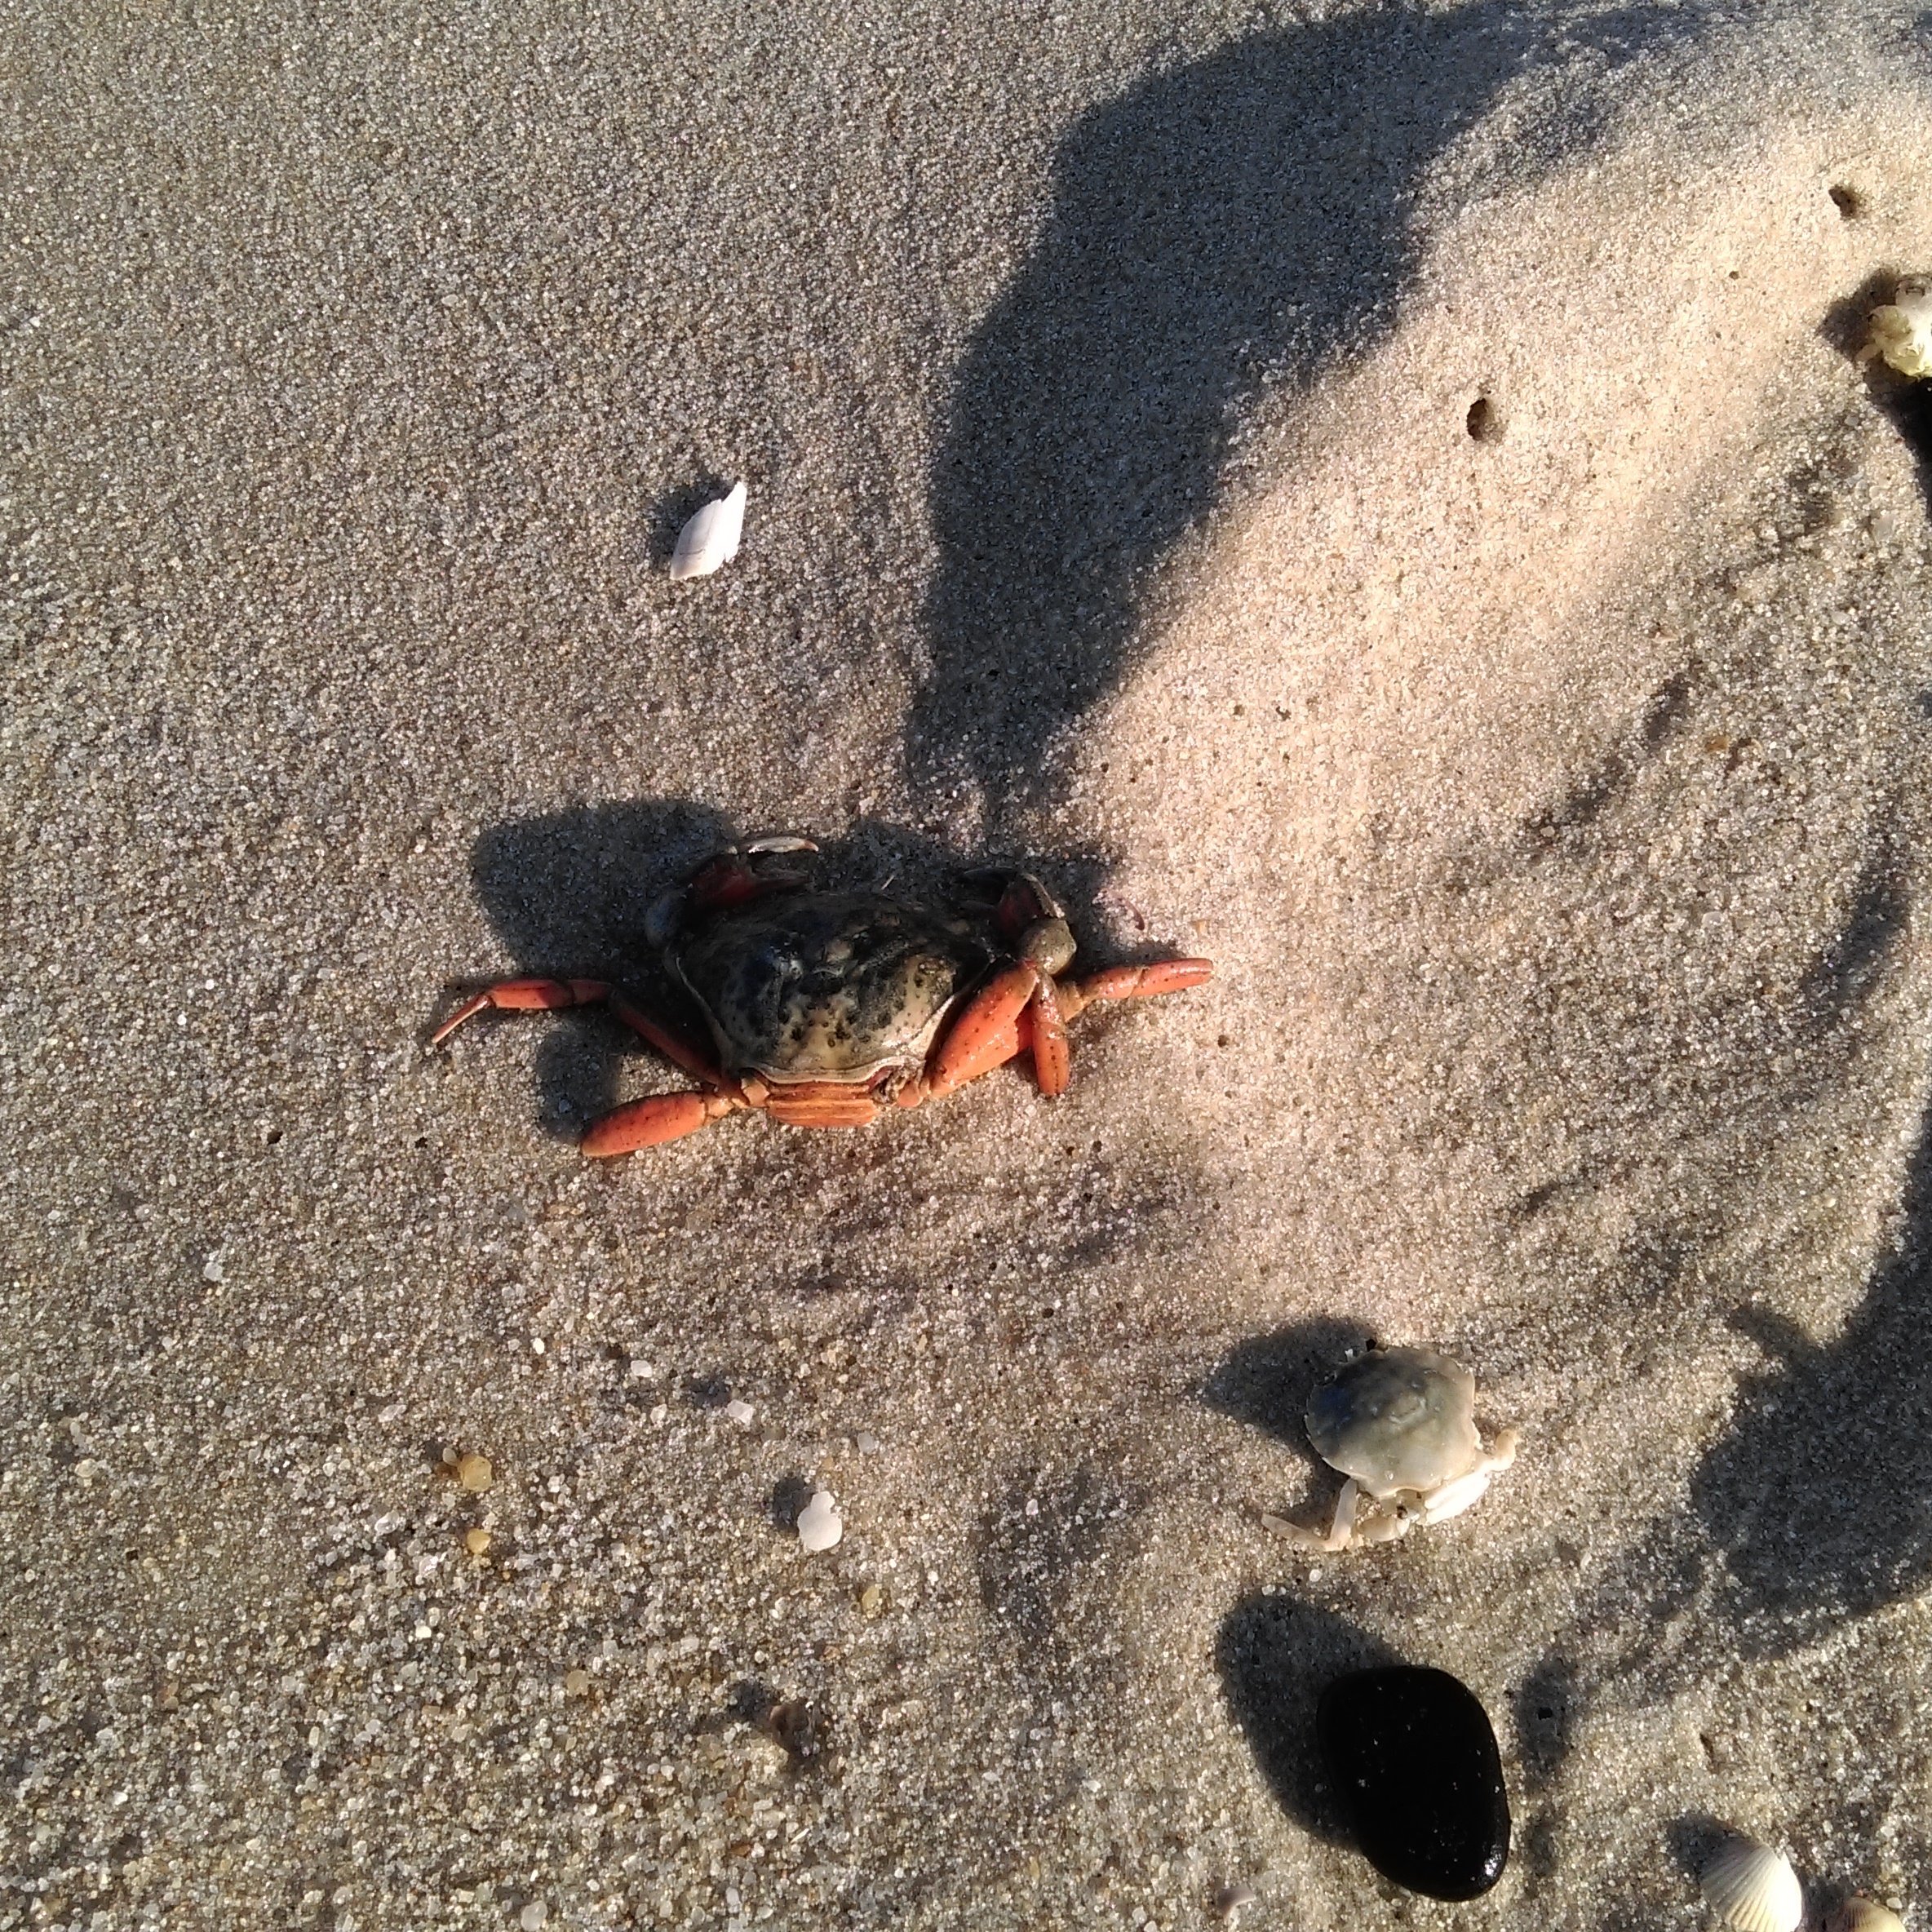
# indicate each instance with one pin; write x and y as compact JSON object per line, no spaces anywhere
{"x":1754,"y":1888}
{"x":711,"y":537}
{"x":1864,"y":1915}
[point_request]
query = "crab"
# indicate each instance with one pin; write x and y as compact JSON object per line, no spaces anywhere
{"x":1400,"y":1424}
{"x":825,"y":1009}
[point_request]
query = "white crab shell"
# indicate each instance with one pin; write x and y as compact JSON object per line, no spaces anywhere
{"x":1395,"y":1420}
{"x":1753,"y":1888}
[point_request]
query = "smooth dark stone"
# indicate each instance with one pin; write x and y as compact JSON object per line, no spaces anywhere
{"x":1414,"y":1762}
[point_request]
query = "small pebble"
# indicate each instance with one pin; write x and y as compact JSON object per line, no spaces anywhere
{"x":819,"y":1526}
{"x":533,"y":1916}
{"x":576,"y":1682}
{"x":1414,"y":1758}
{"x":741,"y":1412}
{"x":476,"y":1542}
{"x":641,"y":1371}
{"x":474,"y":1473}
{"x":871,"y":1600}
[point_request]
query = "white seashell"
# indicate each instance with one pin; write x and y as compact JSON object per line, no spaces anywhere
{"x":1901,"y":330}
{"x":1754,"y":1888}
{"x":1864,"y":1915}
{"x":711,"y":537}
{"x":819,"y":1524}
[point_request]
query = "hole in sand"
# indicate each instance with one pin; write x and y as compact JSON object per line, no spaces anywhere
{"x":1849,"y":202}
{"x":1485,"y":421}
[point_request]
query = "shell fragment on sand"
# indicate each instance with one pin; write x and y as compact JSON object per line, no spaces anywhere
{"x":819,"y":1524}
{"x":1901,"y":330}
{"x":710,"y":538}
{"x":1863,"y":1915}
{"x":1753,"y":1888}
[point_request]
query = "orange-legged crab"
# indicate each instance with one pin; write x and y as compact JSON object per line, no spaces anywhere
{"x":825,"y":1007}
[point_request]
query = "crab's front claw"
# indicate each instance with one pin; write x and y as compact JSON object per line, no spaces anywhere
{"x":523,"y":996}
{"x":986,"y":1034}
{"x":647,"y":1122}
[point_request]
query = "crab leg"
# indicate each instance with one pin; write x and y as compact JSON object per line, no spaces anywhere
{"x":1131,"y":982}
{"x":1051,"y":1068}
{"x":647,"y":1123}
{"x":547,"y":995}
{"x":523,"y":996}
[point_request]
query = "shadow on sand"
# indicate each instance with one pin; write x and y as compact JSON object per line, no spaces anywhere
{"x":1819,"y":1499}
{"x":1224,"y":229}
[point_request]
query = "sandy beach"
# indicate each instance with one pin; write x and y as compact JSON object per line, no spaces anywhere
{"x":1387,"y":499}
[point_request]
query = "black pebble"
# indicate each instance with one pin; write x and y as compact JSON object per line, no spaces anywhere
{"x":1415,"y":1762}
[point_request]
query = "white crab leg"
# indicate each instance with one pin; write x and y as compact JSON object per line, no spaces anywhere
{"x":1340,"y":1531}
{"x":1451,"y":1499}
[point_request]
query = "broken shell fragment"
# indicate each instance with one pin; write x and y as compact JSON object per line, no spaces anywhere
{"x":711,"y":537}
{"x":819,"y":1524}
{"x":1753,"y":1888}
{"x":1901,"y":330}
{"x":1863,"y":1915}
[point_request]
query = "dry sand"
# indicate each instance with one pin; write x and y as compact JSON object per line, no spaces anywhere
{"x":1553,"y":802}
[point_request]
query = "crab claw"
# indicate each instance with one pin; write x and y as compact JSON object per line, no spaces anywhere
{"x":983,"y":1036}
{"x":647,"y":1123}
{"x":732,"y":877}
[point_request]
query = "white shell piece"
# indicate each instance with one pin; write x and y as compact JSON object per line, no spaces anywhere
{"x":1901,"y":330}
{"x":711,"y":537}
{"x":819,"y":1524}
{"x":1864,"y":1915}
{"x":1753,"y":1888}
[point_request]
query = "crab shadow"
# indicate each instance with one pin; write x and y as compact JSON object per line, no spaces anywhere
{"x":1227,"y":229}
{"x":568,"y":894}
{"x":1267,"y":1381}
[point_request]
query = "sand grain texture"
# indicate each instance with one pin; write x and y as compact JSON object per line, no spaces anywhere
{"x":1553,"y":800}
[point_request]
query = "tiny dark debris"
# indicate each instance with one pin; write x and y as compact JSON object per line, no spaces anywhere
{"x":800,"y":1725}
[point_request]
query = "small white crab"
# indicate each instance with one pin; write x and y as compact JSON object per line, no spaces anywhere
{"x":1400,"y":1424}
